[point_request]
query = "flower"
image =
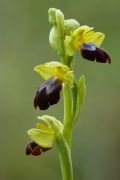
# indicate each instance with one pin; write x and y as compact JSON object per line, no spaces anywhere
{"x":55,"y":74}
{"x":85,"y":40}
{"x":44,"y":135}
{"x":83,"y":34}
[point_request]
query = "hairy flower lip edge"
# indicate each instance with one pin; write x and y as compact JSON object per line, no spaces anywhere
{"x":48,"y":94}
{"x":34,"y":149}
{"x":92,"y":52}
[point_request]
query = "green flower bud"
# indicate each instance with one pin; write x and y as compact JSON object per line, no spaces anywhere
{"x":54,"y":39}
{"x":60,"y":23}
{"x":70,"y":25}
{"x":56,"y":36}
{"x":52,"y":16}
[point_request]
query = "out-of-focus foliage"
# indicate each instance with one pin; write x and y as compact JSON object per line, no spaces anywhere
{"x":24,"y":32}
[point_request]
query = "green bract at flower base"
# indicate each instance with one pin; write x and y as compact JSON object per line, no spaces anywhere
{"x":83,"y":34}
{"x":57,"y":70}
{"x":46,"y":131}
{"x":80,"y":95}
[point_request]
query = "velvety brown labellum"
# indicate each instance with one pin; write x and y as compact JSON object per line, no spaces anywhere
{"x":93,"y":53}
{"x":48,"y":93}
{"x":34,"y":149}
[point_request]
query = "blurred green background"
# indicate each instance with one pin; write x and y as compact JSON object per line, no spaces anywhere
{"x":24,"y":30}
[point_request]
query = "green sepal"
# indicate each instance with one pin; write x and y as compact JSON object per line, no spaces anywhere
{"x":52,"y":122}
{"x":42,"y":138}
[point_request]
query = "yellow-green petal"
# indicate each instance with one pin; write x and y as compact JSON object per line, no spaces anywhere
{"x":94,"y":37}
{"x":81,"y":30}
{"x":43,"y":126}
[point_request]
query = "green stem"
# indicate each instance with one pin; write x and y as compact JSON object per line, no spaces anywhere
{"x":65,"y":158}
{"x":67,"y":124}
{"x":64,"y":142}
{"x":61,"y":53}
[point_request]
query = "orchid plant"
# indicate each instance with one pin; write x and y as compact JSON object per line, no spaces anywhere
{"x":67,"y":38}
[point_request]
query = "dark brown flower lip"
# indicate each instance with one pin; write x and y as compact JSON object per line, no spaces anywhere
{"x":92,"y":52}
{"x":34,"y":149}
{"x":48,"y":93}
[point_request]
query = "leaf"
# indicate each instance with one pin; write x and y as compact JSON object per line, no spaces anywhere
{"x":80,"y":94}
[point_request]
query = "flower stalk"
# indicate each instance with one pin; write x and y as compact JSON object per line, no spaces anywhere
{"x":67,"y":123}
